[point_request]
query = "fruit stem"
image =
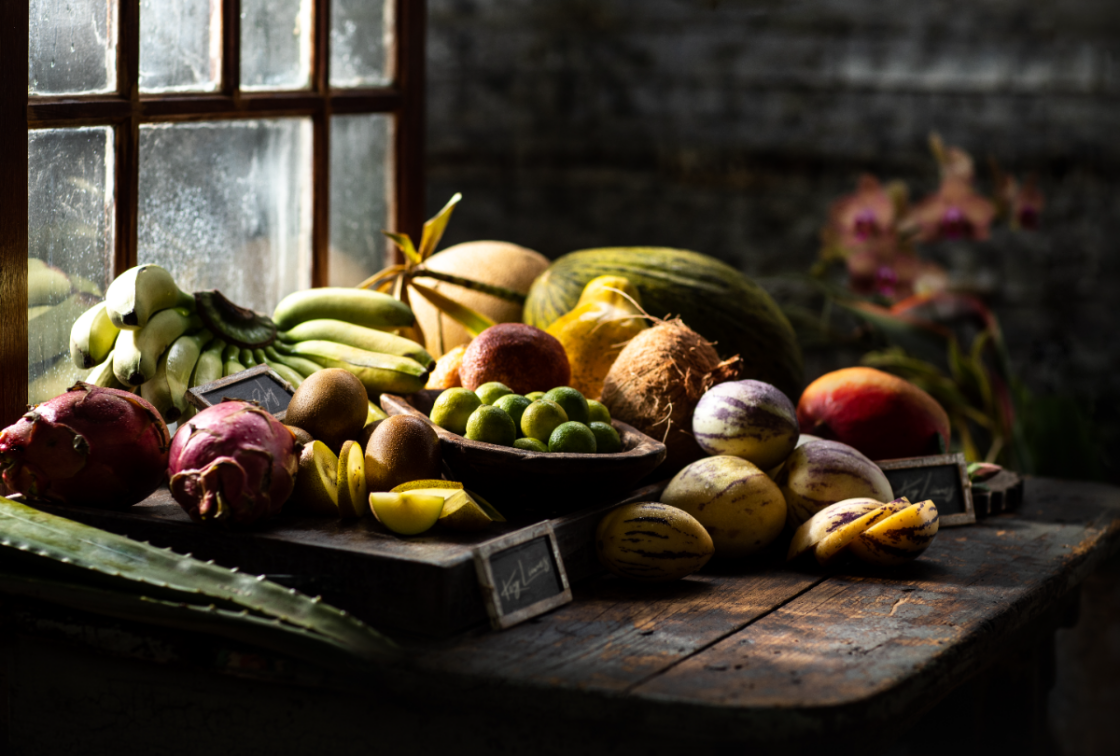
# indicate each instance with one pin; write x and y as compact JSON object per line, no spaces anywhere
{"x":498,"y":291}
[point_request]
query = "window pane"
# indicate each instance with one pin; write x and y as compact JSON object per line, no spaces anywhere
{"x":71,"y":46}
{"x":70,"y":245}
{"x":361,"y":40}
{"x":275,"y":44}
{"x":360,"y":160}
{"x":227,"y":206}
{"x":180,"y":45}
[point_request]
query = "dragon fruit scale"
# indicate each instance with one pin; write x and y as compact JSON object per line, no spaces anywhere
{"x":232,"y":463}
{"x":90,"y":446}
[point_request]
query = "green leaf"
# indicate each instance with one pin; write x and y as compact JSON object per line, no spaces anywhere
{"x":405,"y":243}
{"x":434,"y":228}
{"x":925,"y":342}
{"x":474,"y":322}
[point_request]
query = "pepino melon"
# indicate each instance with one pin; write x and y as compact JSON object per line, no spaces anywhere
{"x":714,"y":299}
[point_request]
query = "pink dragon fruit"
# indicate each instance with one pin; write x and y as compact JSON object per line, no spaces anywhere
{"x":93,"y":446}
{"x":232,"y":463}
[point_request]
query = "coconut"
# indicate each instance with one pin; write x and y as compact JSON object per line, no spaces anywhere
{"x":656,"y":382}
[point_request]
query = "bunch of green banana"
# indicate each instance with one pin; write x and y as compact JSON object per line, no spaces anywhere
{"x":150,"y":336}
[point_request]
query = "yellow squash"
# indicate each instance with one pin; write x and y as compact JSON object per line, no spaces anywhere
{"x":595,"y":331}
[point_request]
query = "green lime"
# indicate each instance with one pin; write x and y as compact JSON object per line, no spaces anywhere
{"x":492,"y":425}
{"x":533,"y":396}
{"x":453,"y":407}
{"x":492,"y":391}
{"x":515,"y":405}
{"x":573,"y":438}
{"x":541,"y":417}
{"x":571,"y":400}
{"x":530,"y":444}
{"x":597,"y":412}
{"x":606,"y":437}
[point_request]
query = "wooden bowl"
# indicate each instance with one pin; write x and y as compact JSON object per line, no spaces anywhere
{"x":537,"y":484}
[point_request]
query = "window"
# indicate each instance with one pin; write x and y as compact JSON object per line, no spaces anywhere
{"x":254,"y":146}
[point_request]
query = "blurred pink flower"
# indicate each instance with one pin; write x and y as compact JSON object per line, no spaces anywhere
{"x":956,"y":211}
{"x":1023,"y":202}
{"x":858,"y":218}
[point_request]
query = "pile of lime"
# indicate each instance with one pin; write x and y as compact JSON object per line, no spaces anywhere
{"x":557,"y":420}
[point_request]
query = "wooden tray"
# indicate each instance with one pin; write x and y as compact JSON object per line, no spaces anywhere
{"x":424,"y":584}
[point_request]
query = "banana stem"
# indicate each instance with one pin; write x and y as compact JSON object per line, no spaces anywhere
{"x":498,"y":291}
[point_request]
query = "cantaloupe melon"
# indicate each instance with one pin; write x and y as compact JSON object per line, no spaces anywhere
{"x":493,"y":262}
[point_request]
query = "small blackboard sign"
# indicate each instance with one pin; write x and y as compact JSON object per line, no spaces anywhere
{"x":521,"y":575}
{"x":942,"y":478}
{"x":258,"y":384}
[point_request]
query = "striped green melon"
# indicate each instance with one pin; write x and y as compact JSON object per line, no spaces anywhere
{"x":714,"y":299}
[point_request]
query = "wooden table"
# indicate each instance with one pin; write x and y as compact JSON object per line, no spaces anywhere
{"x":739,"y":656}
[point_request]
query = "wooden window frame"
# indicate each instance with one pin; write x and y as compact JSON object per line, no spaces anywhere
{"x":126,"y":109}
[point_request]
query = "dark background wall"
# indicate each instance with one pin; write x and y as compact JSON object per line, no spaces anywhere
{"x":728,"y":127}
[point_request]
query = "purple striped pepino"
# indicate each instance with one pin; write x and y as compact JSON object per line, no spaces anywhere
{"x":232,"y":463}
{"x":748,"y":419}
{"x":825,"y":472}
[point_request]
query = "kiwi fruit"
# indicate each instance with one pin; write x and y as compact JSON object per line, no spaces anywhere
{"x":401,"y":448}
{"x":331,"y":405}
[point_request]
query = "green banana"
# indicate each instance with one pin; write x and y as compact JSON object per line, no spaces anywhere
{"x":55,"y":380}
{"x":288,"y":374}
{"x":280,"y":353}
{"x":209,"y":366}
{"x":103,"y":375}
{"x":158,"y":392}
{"x":247,"y":359}
{"x":139,"y":293}
{"x":341,"y":332}
{"x":361,"y":306}
{"x":136,"y":356}
{"x":92,"y":337}
{"x":230,"y":356}
{"x":49,"y":334}
{"x":182,"y":356}
{"x":45,"y":285}
{"x":379,"y":373}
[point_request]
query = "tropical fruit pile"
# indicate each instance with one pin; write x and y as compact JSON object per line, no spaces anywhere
{"x":151,"y":337}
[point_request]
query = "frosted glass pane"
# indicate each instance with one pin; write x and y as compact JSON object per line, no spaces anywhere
{"x":361,"y":147}
{"x":227,"y":205}
{"x":180,"y":45}
{"x":361,"y":41}
{"x":275,"y":44}
{"x":70,"y":228}
{"x":71,"y":46}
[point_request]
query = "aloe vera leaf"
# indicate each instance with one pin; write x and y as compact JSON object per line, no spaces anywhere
{"x":241,"y":626}
{"x":56,"y":538}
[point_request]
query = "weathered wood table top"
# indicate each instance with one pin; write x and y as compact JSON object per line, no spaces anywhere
{"x":755,"y":655}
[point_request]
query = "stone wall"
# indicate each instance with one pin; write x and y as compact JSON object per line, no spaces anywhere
{"x":729,"y":126}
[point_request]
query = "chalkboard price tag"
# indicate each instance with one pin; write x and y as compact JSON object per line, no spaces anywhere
{"x":258,"y":384}
{"x":521,"y":575}
{"x":942,"y":478}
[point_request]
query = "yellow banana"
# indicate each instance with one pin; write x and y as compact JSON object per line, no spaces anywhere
{"x":92,"y":337}
{"x":182,"y":356}
{"x":360,"y":337}
{"x":379,"y":373}
{"x":209,"y":366}
{"x":140,"y":292}
{"x":137,"y":353}
{"x":371,"y":309}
